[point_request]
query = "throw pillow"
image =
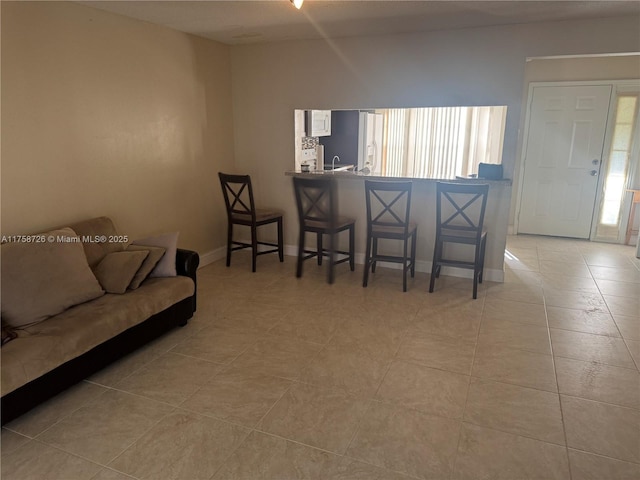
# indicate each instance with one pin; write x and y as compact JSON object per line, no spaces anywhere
{"x":117,"y":269}
{"x":94,"y":228}
{"x":42,"y":279}
{"x":166,"y":267}
{"x":155,"y":254}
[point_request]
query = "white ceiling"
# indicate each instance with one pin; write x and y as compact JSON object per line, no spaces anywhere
{"x":246,"y":21}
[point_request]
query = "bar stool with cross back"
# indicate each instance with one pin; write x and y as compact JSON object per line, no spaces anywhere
{"x":241,"y":210}
{"x":459,"y":219}
{"x":317,"y":204}
{"x":388,"y":209}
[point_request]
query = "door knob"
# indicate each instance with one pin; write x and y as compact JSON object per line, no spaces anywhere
{"x":593,"y":173}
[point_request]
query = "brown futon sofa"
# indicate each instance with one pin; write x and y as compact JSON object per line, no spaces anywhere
{"x":77,"y":298}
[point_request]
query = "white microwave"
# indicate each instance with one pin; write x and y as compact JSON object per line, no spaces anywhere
{"x":318,"y":123}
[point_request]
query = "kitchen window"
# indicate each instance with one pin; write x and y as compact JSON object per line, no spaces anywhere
{"x":434,"y":142}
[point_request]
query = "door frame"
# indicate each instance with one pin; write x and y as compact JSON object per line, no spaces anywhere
{"x":607,"y":139}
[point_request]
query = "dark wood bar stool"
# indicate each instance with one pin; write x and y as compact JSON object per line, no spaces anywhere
{"x":460,"y":212}
{"x":241,"y":210}
{"x":388,"y":210}
{"x":317,"y":204}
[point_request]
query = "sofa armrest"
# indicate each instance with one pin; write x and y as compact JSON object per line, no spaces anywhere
{"x":187,"y":262}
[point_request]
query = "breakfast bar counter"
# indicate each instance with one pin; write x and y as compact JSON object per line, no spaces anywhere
{"x":423,"y":209}
{"x":351,"y":175}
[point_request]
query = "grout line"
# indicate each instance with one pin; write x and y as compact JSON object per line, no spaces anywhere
{"x":151,"y":427}
{"x":343,"y":456}
{"x":591,"y":400}
{"x":600,"y":362}
{"x":603,"y":456}
{"x":511,"y":384}
{"x":468,"y":422}
{"x":466,"y":401}
{"x":60,"y":449}
{"x":624,"y":340}
{"x":90,"y":400}
{"x":372,"y":399}
{"x":359,"y":425}
{"x":231,"y":453}
{"x":555,"y":374}
{"x":588,"y":333}
{"x":259,"y":422}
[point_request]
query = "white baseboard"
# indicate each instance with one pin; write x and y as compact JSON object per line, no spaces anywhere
{"x":213,"y":256}
{"x":490,"y":274}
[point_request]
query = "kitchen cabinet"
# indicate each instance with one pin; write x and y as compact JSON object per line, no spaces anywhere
{"x":318,"y":123}
{"x":356,"y":139}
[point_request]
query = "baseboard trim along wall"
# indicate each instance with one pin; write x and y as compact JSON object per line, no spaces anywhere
{"x":212,"y":256}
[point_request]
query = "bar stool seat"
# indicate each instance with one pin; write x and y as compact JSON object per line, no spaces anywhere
{"x":340,"y":223}
{"x":261,"y":216}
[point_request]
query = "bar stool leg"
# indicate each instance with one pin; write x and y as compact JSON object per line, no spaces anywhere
{"x":319,"y":248}
{"x":254,"y":247}
{"x":332,"y":249}
{"x":367,"y":262}
{"x":482,"y":253}
{"x":229,"y":242}
{"x":280,"y":240}
{"x":374,"y":255}
{"x":404,"y":264}
{"x":300,"y":253}
{"x":413,"y":253}
{"x":352,"y":247}
{"x":434,"y":265}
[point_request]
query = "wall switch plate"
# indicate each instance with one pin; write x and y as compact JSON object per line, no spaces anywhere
{"x":309,"y":154}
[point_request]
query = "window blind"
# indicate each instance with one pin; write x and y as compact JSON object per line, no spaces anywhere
{"x":442,"y":142}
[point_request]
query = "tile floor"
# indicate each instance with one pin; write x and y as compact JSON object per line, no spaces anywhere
{"x":279,"y":378}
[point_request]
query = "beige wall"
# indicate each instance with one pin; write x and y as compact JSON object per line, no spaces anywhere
{"x":104,"y":115}
{"x":621,"y":67}
{"x":483,"y":66}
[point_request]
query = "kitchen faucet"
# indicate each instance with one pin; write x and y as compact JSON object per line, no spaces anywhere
{"x":333,"y":162}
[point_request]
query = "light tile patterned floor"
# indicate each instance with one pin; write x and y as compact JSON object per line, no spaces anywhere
{"x":277,"y":378}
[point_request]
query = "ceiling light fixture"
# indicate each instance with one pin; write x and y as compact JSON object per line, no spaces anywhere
{"x":297,"y":3}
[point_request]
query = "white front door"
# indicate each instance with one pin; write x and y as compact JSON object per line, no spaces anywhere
{"x":562,"y":160}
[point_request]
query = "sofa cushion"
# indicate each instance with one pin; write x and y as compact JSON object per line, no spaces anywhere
{"x":153,"y":257}
{"x":117,"y":269}
{"x":93,"y":229}
{"x":166,"y":267}
{"x":44,"y":279}
{"x":44,"y":346}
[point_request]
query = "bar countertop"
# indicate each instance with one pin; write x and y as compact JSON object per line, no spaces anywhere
{"x":350,"y":175}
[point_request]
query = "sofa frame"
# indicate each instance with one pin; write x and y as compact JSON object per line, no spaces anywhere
{"x":68,"y":374}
